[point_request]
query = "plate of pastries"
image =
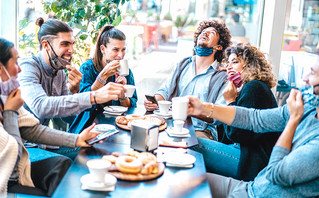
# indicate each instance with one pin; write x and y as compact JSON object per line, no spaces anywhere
{"x":124,"y":122}
{"x":134,"y":166}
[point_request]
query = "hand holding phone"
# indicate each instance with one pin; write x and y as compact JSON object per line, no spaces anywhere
{"x":151,"y":98}
{"x":102,"y":136}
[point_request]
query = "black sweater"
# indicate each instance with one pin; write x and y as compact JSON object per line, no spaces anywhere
{"x":255,"y":148}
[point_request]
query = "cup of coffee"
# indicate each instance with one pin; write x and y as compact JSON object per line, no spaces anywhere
{"x":129,"y":90}
{"x":98,"y":168}
{"x":178,"y":125}
{"x":164,"y":106}
{"x":179,"y":108}
{"x":123,"y":70}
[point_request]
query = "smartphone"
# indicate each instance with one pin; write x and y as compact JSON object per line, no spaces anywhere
{"x":151,"y":98}
{"x":102,"y":136}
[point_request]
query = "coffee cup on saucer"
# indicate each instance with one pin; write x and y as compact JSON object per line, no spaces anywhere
{"x":178,"y":126}
{"x":129,"y":90}
{"x":98,"y":168}
{"x":164,"y":106}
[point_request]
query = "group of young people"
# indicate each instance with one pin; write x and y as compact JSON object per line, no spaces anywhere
{"x":242,"y":134}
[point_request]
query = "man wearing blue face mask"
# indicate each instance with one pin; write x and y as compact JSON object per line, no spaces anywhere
{"x":292,"y":170}
{"x":47,"y":92}
{"x":199,"y":75}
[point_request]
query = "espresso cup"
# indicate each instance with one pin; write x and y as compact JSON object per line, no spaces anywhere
{"x":179,"y":108}
{"x":164,"y":106}
{"x":178,"y":125}
{"x":129,"y":90}
{"x":123,"y":70}
{"x":98,"y":168}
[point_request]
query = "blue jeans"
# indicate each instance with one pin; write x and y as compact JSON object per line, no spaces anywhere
{"x":219,"y":158}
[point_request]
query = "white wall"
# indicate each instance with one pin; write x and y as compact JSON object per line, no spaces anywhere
{"x":9,"y":20}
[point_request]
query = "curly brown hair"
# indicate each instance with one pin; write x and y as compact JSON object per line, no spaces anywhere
{"x":224,"y":36}
{"x":256,"y":66}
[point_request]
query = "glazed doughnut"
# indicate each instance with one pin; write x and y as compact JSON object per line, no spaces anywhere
{"x":147,"y":157}
{"x":132,"y":117}
{"x":121,"y":120}
{"x":150,"y":168}
{"x":128,"y":164}
{"x":133,"y":153}
{"x":110,"y":158}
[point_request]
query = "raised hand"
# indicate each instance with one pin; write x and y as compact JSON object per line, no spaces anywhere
{"x":295,"y":104}
{"x":110,"y":69}
{"x":230,"y":93}
{"x":195,"y":106}
{"x":14,"y":100}
{"x":86,"y":134}
{"x":74,"y":79}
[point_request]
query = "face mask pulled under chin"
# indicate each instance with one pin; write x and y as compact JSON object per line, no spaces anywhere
{"x":8,"y":86}
{"x":236,"y":79}
{"x":57,"y":63}
{"x":309,"y":97}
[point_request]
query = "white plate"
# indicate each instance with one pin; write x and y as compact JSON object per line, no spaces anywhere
{"x":171,"y":131}
{"x":179,"y":159}
{"x":87,"y":181}
{"x":113,"y":113}
{"x":115,"y":109}
{"x":157,"y":112}
{"x":103,"y":127}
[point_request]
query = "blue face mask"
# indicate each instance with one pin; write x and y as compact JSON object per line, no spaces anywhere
{"x":203,"y":51}
{"x":309,"y":97}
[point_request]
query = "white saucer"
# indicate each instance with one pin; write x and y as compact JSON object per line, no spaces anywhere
{"x":180,"y":159}
{"x":157,"y":112}
{"x":113,"y":113}
{"x":115,"y":109}
{"x":172,"y":132}
{"x":89,"y":184}
{"x":103,"y":127}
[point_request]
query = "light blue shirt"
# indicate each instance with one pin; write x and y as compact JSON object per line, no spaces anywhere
{"x":195,"y":85}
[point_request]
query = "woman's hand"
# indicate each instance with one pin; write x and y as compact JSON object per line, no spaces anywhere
{"x":120,"y":79}
{"x":230,"y":93}
{"x":86,"y":134}
{"x":110,"y":69}
{"x":295,"y":104}
{"x":195,"y":106}
{"x":14,"y":100}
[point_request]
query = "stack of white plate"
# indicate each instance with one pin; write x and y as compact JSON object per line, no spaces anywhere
{"x":181,"y":160}
{"x":115,"y":110}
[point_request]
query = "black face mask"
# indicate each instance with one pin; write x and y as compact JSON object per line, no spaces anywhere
{"x":57,"y":63}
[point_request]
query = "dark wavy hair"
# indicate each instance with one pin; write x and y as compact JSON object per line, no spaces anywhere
{"x":5,"y":48}
{"x":224,"y":36}
{"x":256,"y":66}
{"x":50,"y":28}
{"x":106,"y":33}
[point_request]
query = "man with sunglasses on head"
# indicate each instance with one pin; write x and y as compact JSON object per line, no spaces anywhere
{"x":47,"y":90}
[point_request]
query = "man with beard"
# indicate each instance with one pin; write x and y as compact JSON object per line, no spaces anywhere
{"x":199,"y":75}
{"x":47,"y":92}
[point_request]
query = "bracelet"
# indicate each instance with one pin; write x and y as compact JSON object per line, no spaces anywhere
{"x":123,"y":98}
{"x":93,"y":93}
{"x":211,"y":111}
{"x":101,"y":80}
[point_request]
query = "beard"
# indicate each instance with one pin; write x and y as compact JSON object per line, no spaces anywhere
{"x":204,"y":45}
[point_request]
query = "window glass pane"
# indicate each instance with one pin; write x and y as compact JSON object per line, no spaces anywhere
{"x":300,"y":43}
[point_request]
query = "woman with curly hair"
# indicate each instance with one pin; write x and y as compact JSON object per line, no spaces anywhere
{"x":250,"y":79}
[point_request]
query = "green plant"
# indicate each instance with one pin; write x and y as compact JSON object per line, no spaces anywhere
{"x":86,"y":16}
{"x":180,"y":21}
{"x":27,"y":42}
{"x":168,"y":16}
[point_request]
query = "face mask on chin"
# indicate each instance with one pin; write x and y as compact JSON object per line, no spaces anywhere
{"x":8,"y":86}
{"x":204,"y":51}
{"x":57,"y":63}
{"x":309,"y":97}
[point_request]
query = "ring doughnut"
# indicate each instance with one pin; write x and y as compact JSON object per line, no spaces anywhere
{"x":147,"y":157}
{"x":128,"y":164}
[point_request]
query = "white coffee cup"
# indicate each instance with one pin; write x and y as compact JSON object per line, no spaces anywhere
{"x":164,"y":106}
{"x":129,"y":90}
{"x":179,"y":108}
{"x":123,"y":69}
{"x":178,"y":125}
{"x":98,"y":168}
